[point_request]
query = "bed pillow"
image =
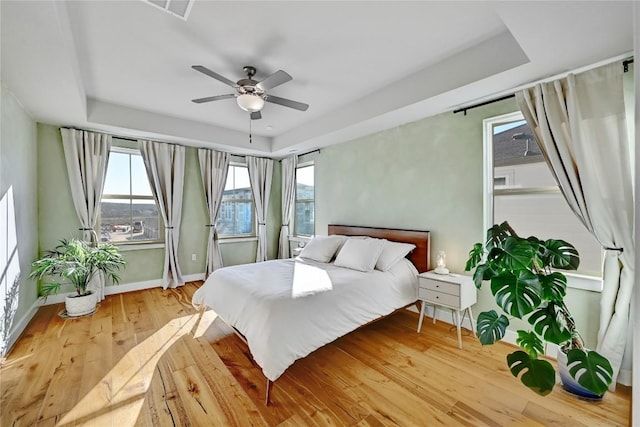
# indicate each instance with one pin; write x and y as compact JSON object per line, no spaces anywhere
{"x":359,"y":254}
{"x":322,"y":248}
{"x":392,"y":252}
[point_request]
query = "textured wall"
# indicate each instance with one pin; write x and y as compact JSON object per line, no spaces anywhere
{"x":425,"y":175}
{"x":18,"y":214}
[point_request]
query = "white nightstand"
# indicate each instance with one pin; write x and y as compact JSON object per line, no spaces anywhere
{"x":452,"y":291}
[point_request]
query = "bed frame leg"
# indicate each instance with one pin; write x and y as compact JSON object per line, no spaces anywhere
{"x":201,"y":309}
{"x":267,"y":392}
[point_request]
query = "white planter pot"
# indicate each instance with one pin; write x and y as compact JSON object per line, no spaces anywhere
{"x":80,"y":305}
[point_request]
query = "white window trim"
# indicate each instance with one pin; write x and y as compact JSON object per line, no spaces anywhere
{"x":234,"y":238}
{"x":132,"y":246}
{"x":303,"y":238}
{"x":574,"y":280}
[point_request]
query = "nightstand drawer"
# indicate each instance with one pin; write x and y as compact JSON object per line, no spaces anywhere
{"x":438,"y":286}
{"x":439,"y":297}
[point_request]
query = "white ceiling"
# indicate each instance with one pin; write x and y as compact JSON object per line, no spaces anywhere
{"x":125,"y":66}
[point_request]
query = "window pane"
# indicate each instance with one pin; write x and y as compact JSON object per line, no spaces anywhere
{"x":139,"y":180}
{"x":519,"y":164}
{"x":117,"y":179}
{"x":128,"y":218}
{"x":236,"y":211}
{"x":304,"y":218}
{"x":547,"y":216}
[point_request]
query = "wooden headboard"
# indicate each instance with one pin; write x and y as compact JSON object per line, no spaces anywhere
{"x":420,"y":256}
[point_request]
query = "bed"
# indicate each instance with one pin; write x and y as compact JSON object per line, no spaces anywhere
{"x":285,"y":309}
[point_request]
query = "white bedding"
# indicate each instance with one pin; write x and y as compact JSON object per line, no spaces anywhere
{"x":283,"y":322}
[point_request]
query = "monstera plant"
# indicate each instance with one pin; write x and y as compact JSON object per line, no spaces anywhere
{"x":526,"y":285}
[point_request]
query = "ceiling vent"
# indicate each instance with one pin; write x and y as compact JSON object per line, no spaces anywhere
{"x":179,"y":8}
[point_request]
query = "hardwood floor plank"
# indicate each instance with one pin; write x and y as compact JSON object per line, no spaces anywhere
{"x":139,"y":360}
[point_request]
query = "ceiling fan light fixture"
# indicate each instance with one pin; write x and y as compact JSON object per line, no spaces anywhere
{"x":250,"y":102}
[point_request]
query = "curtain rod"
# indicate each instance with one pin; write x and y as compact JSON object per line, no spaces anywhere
{"x":625,"y":68}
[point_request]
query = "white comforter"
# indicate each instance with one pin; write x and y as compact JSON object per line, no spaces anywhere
{"x":285,"y":315}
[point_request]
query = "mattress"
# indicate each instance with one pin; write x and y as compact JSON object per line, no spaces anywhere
{"x":288,"y":308}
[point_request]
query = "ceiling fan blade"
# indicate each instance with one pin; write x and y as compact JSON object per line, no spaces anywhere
{"x":208,"y":72}
{"x":287,"y":102}
{"x":256,"y":115}
{"x":275,"y":79}
{"x":212,"y":98}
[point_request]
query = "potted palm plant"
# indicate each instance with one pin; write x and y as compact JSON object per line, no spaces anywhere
{"x":526,"y":285}
{"x":77,"y":262}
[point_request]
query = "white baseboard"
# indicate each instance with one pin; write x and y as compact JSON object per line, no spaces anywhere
{"x":126,"y":287}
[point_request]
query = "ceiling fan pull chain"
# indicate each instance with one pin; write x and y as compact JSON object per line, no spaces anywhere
{"x":250,"y":138}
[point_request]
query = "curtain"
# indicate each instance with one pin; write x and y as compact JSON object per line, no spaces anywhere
{"x":165,"y":168}
{"x":214,"y":166}
{"x":289,"y":166}
{"x":87,"y":155}
{"x":579,"y":123}
{"x":260,"y":174}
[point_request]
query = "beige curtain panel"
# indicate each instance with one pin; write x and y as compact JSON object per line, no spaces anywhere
{"x":580,"y":125}
{"x":260,"y":175}
{"x":87,"y":156}
{"x":165,"y":168}
{"x":289,"y":166}
{"x":214,"y":166}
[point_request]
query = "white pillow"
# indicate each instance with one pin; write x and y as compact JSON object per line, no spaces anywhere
{"x":322,"y":248}
{"x":359,"y":254}
{"x":392,"y":252}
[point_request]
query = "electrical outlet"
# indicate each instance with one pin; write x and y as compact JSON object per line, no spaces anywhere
{"x":193,"y":257}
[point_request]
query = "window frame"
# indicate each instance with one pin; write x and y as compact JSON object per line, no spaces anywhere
{"x":132,"y":244}
{"x":296,"y":200}
{"x":574,"y":280}
{"x":228,"y":238}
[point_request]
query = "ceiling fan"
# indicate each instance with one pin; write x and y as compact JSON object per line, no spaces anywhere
{"x":251,"y":94}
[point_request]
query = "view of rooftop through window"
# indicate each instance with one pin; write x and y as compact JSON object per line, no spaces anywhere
{"x":527,"y":196}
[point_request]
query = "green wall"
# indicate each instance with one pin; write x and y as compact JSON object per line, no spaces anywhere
{"x":57,"y":218}
{"x":425,"y":175}
{"x":18,"y":214}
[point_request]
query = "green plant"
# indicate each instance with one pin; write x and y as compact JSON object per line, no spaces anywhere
{"x":525,"y":284}
{"x":76,"y":261}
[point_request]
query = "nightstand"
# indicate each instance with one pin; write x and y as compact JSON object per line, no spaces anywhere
{"x":451,"y":291}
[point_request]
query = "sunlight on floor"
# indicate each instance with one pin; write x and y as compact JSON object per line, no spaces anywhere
{"x":118,"y":397}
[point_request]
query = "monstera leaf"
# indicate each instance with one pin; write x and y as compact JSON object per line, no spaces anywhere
{"x":590,"y":369}
{"x":491,"y":328}
{"x":550,"y":323}
{"x":537,"y":374}
{"x":475,"y":256}
{"x":530,"y":342}
{"x":560,"y":254}
{"x":554,"y":286}
{"x":497,"y":234}
{"x":517,"y":295}
{"x":483,"y":272}
{"x":518,"y":253}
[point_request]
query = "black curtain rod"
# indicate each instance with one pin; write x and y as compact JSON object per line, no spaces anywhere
{"x":625,"y":67}
{"x":464,"y":109}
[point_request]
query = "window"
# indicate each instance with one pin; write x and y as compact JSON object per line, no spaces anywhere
{"x":236,"y":218}
{"x":128,"y":211}
{"x":523,"y":191}
{"x":304,"y":221}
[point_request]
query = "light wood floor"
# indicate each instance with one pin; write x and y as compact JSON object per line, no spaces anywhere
{"x":135,"y":362}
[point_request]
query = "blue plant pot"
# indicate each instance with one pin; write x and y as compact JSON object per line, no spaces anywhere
{"x":570,"y":384}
